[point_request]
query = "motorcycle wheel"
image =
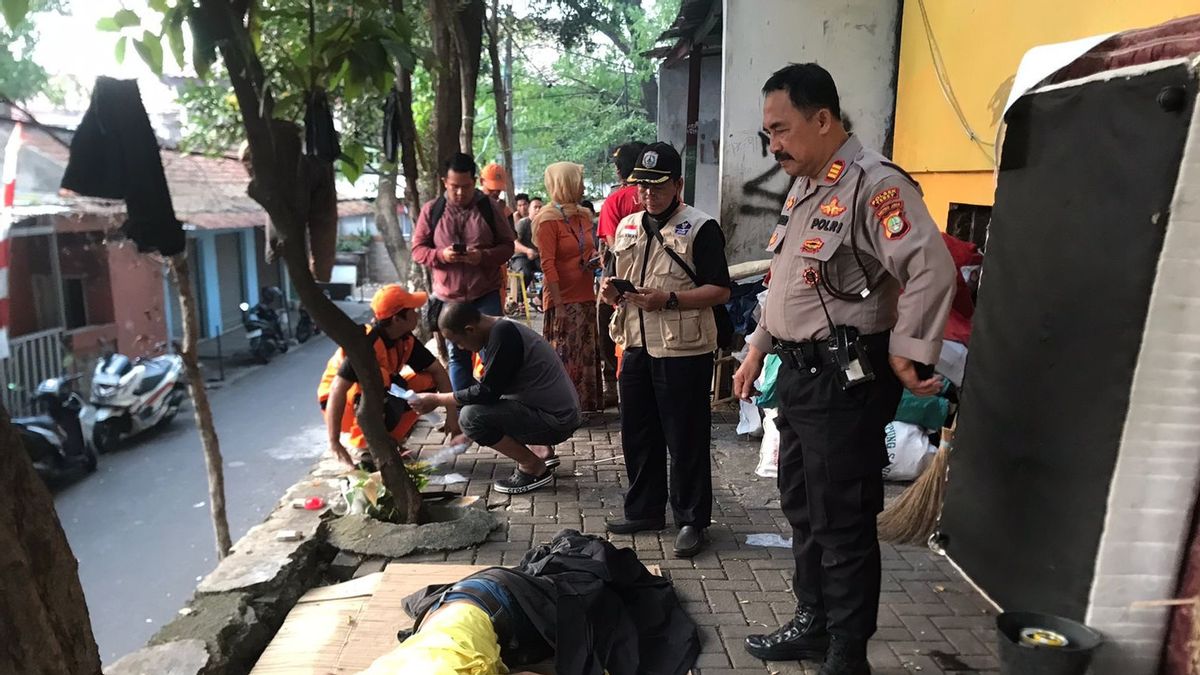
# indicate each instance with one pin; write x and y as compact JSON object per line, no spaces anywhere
{"x":105,"y":437}
{"x":283,"y":345}
{"x":261,"y":349}
{"x":303,"y":332}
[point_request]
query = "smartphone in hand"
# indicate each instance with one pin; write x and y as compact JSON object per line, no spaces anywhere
{"x":459,"y":247}
{"x":623,"y":286}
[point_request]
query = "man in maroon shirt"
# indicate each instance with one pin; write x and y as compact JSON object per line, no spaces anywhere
{"x":464,"y":247}
{"x":622,"y":202}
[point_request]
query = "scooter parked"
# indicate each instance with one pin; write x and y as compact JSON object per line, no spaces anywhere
{"x":262,"y":325}
{"x":133,"y":396}
{"x":54,"y":437}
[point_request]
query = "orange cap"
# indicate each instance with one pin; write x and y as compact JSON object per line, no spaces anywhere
{"x":392,"y":298}
{"x":494,"y":177}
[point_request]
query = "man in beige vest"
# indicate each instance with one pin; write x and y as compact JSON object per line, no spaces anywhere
{"x":674,"y":257}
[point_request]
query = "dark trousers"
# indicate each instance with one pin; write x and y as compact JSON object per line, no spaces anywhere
{"x":665,"y":409}
{"x":607,"y":348}
{"x":831,"y":456}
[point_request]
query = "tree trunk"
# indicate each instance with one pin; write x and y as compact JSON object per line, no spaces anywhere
{"x":388,"y":223}
{"x":203,"y":412}
{"x":43,"y":617}
{"x":468,"y":33}
{"x":500,"y":95}
{"x":276,"y":184}
{"x":447,"y":93}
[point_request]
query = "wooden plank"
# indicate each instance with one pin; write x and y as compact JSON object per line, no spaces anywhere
{"x":311,"y":638}
{"x":375,"y":632}
{"x":361,"y":587}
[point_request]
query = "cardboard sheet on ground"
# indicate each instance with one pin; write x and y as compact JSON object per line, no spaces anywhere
{"x":342,"y":629}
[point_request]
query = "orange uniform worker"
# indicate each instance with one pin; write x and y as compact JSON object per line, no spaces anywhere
{"x":402,"y":361}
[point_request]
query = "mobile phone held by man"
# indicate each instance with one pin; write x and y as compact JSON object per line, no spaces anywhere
{"x":459,"y":247}
{"x":623,"y":286}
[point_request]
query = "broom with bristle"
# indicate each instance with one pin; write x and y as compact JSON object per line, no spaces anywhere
{"x":913,"y":517}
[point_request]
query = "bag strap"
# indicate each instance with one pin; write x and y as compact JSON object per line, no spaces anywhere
{"x":674,"y":256}
{"x":482,"y":204}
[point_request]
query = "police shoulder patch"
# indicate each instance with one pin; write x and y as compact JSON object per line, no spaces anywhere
{"x":884,"y":197}
{"x":893,"y":221}
{"x":835,"y":171}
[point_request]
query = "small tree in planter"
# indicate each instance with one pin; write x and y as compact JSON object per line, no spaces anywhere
{"x":281,"y":59}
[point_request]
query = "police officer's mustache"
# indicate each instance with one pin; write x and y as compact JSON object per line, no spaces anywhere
{"x":781,"y":156}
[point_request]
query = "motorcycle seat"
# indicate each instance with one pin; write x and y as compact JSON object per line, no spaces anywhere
{"x":155,"y":372}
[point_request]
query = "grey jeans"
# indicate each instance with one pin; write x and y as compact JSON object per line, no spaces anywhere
{"x":487,"y":423}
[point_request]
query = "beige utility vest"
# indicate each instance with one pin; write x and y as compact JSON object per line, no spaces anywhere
{"x":668,"y":332}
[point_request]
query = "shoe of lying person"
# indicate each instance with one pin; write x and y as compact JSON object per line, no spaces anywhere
{"x":520,"y":482}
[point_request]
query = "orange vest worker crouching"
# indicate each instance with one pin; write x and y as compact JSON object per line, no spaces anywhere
{"x":402,"y":361}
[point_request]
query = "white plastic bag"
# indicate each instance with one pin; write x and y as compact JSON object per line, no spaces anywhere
{"x":909,"y":451}
{"x":953,"y":361}
{"x":749,"y":421}
{"x":768,"y":450}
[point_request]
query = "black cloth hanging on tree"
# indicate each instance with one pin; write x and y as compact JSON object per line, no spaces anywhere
{"x":391,"y":125}
{"x":115,"y":155}
{"x":320,"y":136}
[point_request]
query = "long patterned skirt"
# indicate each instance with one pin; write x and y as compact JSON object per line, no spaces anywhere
{"x":571,"y":330}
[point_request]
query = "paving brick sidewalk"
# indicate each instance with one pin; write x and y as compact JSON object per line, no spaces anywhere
{"x":930,"y":620}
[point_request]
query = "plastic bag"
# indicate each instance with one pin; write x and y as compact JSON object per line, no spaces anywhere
{"x":909,"y":451}
{"x":768,"y":450}
{"x":765,"y":384}
{"x":749,"y":419}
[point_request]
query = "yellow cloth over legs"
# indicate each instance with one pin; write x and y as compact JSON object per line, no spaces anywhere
{"x":457,"y":639}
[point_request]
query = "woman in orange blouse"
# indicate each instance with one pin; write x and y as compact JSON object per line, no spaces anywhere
{"x":562,"y":232}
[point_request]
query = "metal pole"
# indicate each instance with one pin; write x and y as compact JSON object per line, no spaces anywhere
{"x":691,"y":145}
{"x":220,"y":357}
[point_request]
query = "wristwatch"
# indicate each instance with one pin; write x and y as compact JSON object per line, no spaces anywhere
{"x":672,"y":301}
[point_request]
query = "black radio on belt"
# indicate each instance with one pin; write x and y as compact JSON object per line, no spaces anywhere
{"x":850,"y":356}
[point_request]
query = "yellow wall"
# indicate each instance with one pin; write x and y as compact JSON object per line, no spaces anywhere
{"x":981,"y":43}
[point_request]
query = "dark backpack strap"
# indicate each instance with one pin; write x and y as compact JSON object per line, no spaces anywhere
{"x":435,"y":216}
{"x":484,"y":204}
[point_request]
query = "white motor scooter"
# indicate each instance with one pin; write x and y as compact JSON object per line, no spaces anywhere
{"x":130,"y":397}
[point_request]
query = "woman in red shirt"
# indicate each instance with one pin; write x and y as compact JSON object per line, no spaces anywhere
{"x":562,"y":232}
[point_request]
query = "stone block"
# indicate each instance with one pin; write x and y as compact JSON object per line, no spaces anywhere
{"x":181,"y":657}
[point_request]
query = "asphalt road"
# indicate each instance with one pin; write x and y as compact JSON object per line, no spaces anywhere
{"x":140,"y":525}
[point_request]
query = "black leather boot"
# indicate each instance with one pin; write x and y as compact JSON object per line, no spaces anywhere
{"x":847,"y":656}
{"x":803,"y":637}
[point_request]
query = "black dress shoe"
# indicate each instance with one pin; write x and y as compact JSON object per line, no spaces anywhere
{"x":846,"y":656}
{"x":804,"y":637}
{"x":689,"y":542}
{"x":631,"y":525}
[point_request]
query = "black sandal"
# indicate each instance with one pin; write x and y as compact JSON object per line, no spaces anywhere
{"x":520,"y":482}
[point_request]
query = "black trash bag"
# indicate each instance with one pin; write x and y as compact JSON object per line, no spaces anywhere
{"x":115,"y":155}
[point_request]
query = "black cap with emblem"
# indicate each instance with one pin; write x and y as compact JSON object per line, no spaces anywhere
{"x":658,"y":163}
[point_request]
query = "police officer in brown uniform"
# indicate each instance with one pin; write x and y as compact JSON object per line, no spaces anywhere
{"x":853,"y":233}
{"x":672,"y":259}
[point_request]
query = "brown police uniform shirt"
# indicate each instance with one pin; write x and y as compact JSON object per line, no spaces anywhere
{"x":860,"y":194}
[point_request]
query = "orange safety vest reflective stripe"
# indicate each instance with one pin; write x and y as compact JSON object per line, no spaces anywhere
{"x":391,"y":360}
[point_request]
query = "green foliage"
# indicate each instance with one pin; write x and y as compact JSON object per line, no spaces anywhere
{"x":590,"y":99}
{"x":365,"y":491}
{"x":352,"y":54}
{"x":20,"y":77}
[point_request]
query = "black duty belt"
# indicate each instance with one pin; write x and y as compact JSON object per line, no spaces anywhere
{"x":811,"y":355}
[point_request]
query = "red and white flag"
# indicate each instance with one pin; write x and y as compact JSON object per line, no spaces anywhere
{"x":8,"y":176}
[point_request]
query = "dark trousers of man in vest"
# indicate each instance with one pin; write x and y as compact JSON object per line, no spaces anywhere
{"x":831,"y":456}
{"x":665,"y":409}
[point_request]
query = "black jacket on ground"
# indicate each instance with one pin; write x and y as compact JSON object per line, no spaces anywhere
{"x":597,"y":606}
